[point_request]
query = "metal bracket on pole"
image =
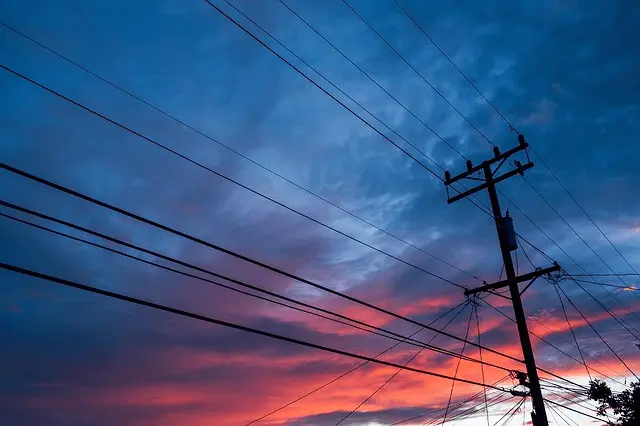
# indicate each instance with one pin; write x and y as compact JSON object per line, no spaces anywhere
{"x":505,"y":283}
{"x":519,"y":393}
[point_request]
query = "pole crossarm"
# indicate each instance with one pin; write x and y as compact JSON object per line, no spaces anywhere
{"x":505,"y":283}
{"x":498,"y":156}
{"x":520,"y":169}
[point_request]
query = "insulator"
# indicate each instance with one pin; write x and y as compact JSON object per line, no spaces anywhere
{"x":447,"y":176}
{"x":469,"y":165}
{"x":496,"y":152}
{"x":521,"y":140}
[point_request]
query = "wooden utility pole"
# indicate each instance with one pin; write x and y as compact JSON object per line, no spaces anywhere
{"x":508,"y":243}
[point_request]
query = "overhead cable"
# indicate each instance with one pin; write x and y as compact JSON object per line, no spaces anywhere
{"x":597,"y":333}
{"x":393,"y":376}
{"x":232,"y":253}
{"x":344,"y":320}
{"x":234,"y":151}
{"x":227,"y":178}
{"x":239,"y":327}
{"x":282,"y":407}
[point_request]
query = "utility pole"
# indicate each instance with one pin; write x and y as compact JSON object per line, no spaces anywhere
{"x":508,"y":243}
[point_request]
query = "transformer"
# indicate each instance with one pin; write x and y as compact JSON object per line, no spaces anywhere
{"x":508,"y":232}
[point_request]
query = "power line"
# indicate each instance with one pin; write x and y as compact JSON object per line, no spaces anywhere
{"x":398,"y":371}
{"x":453,"y":63}
{"x":512,"y":409}
{"x":566,"y":416}
{"x":512,"y":128}
{"x":615,"y":317}
{"x":458,"y":406}
{"x":571,"y":409}
{"x":544,"y":325}
{"x":231,"y":149}
{"x":210,"y":320}
{"x":586,"y":244}
{"x":364,"y":20}
{"x":325,"y":91}
{"x":544,"y":163}
{"x":542,"y":339}
{"x":596,"y":331}
{"x":373,"y":80}
{"x":552,"y":412}
{"x":555,"y":385}
{"x":83,"y":241}
{"x":232,"y":253}
{"x":526,"y":255}
{"x":475,"y":308}
{"x":346,"y":3}
{"x":583,"y":391}
{"x":473,"y":410}
{"x":466,"y":336}
{"x":605,"y":275}
{"x":416,"y":71}
{"x":465,"y":412}
{"x":288,"y":63}
{"x":351,"y":370}
{"x":566,"y":317}
{"x":552,"y":408}
{"x":433,"y":412}
{"x":564,"y":252}
{"x":553,"y":346}
{"x":353,"y":63}
{"x":360,"y":325}
{"x":202,"y":278}
{"x":266,"y":46}
{"x":534,"y":247}
{"x":574,"y":261}
{"x":480,"y":133}
{"x":624,"y":324}
{"x":227,"y":178}
{"x":625,"y":288}
{"x":152,"y":263}
{"x":454,"y":108}
{"x":580,"y":399}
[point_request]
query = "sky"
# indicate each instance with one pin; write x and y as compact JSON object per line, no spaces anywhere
{"x":564,"y":73}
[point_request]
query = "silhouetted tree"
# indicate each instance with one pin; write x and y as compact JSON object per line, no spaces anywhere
{"x":625,"y":405}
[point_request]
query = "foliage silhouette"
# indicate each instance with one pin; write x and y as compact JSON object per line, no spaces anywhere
{"x":625,"y":405}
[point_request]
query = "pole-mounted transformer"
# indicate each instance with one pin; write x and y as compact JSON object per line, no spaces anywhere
{"x":508,"y":232}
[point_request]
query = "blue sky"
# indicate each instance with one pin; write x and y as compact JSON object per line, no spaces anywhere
{"x":563,"y":72}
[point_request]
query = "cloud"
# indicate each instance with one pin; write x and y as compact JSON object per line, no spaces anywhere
{"x":542,"y":114}
{"x":110,"y":363}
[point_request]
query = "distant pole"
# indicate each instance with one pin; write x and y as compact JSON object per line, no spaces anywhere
{"x":506,"y":237}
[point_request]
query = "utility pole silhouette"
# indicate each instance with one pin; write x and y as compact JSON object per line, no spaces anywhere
{"x":508,"y":243}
